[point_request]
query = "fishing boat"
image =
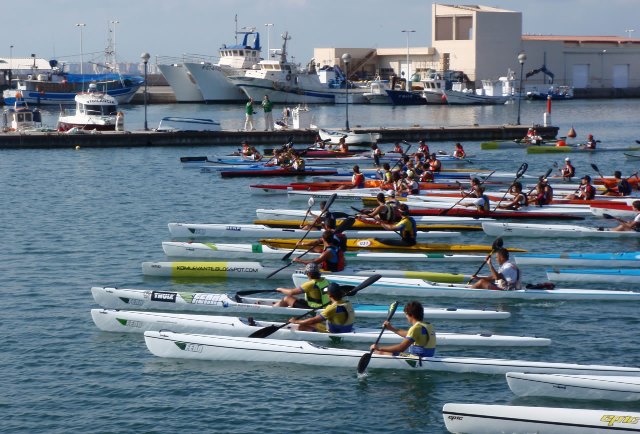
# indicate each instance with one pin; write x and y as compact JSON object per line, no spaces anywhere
{"x":376,"y":244}
{"x":491,"y":419}
{"x":141,"y":321}
{"x":218,"y":348}
{"x":205,"y":302}
{"x":174,"y":123}
{"x":213,"y":230}
{"x":183,"y":85}
{"x":564,"y":386}
{"x":406,"y":97}
{"x":422,"y":288}
{"x":94,"y":111}
{"x":20,"y":117}
{"x":258,"y":251}
{"x":626,"y":275}
{"x":554,"y":92}
{"x":589,"y":260}
{"x":541,"y":230}
{"x":350,"y":137}
{"x":217,"y":269}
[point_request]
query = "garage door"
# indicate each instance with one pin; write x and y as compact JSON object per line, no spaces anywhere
{"x":620,"y":76}
{"x":580,"y":76}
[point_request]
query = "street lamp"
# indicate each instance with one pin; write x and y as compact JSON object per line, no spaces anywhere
{"x":81,"y":25}
{"x":346,"y":58}
{"x":10,"y":64}
{"x":602,"y":67}
{"x":408,"y":86}
{"x":628,"y":32}
{"x":521,"y":59}
{"x":145,"y":58}
{"x":268,"y":26}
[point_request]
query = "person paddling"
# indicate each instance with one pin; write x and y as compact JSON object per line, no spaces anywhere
{"x":505,"y":278}
{"x":519,"y":199}
{"x":332,"y":256}
{"x":357,"y":179}
{"x":406,"y":227}
{"x":567,"y":171}
{"x":419,"y":340}
{"x":314,"y":297}
{"x":459,"y":151}
{"x":632,"y":225}
{"x":586,"y":191}
{"x":338,"y":317}
{"x":384,"y":211}
{"x":622,"y":187}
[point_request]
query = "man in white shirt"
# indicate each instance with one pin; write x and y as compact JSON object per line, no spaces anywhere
{"x":505,"y":278}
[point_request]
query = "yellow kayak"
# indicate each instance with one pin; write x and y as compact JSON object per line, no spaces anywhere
{"x":295,"y":224}
{"x":375,"y":244}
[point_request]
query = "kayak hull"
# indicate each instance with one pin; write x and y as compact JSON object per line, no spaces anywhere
{"x":627,"y":259}
{"x":539,"y":230}
{"x":595,"y":275}
{"x":213,"y":269}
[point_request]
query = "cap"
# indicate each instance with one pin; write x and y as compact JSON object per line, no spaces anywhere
{"x":311,"y":267}
{"x":334,"y":290}
{"x":567,"y":159}
{"x":587,"y":177}
{"x":590,"y":136}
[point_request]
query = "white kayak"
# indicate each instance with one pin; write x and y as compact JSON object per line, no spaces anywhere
{"x":492,"y":419}
{"x":181,"y":249}
{"x":214,"y":269}
{"x":218,"y":348}
{"x":205,"y":302}
{"x":213,"y":230}
{"x":569,"y":210}
{"x":545,"y":230}
{"x":627,"y":275}
{"x":142,"y":321}
{"x":424,"y":288}
{"x":622,"y":260}
{"x":288,"y":214}
{"x":564,"y":386}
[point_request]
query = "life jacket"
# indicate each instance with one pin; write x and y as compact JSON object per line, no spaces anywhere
{"x":336,"y":260}
{"x":409,"y":230}
{"x":624,"y":188}
{"x":324,"y":300}
{"x":424,"y":344}
{"x":341,"y":240}
{"x":522,"y":200}
{"x":589,"y":191}
{"x":358,"y":180}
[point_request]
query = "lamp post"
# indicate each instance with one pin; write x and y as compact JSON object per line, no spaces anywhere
{"x":145,"y":58}
{"x":115,"y":61}
{"x":10,"y":64}
{"x":602,"y":53}
{"x":268,"y":26}
{"x":408,"y":86}
{"x":628,"y":32}
{"x":346,"y":58}
{"x":521,"y":59}
{"x":81,"y":25}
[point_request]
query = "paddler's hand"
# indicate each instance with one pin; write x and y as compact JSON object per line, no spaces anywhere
{"x":374,"y":347}
{"x":292,"y":320}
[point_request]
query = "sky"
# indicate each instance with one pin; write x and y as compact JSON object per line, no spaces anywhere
{"x":173,"y":27}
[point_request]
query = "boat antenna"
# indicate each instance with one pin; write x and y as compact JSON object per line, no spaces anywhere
{"x":236,"y":33}
{"x":283,"y":55}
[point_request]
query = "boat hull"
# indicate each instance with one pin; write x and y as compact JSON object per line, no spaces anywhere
{"x":213,"y":84}
{"x":555,"y":231}
{"x":627,"y":259}
{"x":182,"y":83}
{"x":220,"y":270}
{"x":595,"y":275}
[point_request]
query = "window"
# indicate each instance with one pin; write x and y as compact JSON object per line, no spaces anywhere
{"x":444,"y":28}
{"x":464,"y":28}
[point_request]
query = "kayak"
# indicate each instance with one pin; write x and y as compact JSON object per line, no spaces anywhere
{"x":360,"y":224}
{"x":427,"y":275}
{"x":213,"y":347}
{"x":540,"y":230}
{"x":376,"y":244}
{"x":213,"y":230}
{"x":140,"y":321}
{"x":205,"y":302}
{"x":219,"y":269}
{"x":491,"y":419}
{"x":632,"y":156}
{"x":627,"y":259}
{"x":564,"y":149}
{"x":350,"y":137}
{"x":623,"y":213}
{"x":596,"y":275}
{"x":560,"y":210}
{"x":612,"y":388}
{"x":540,"y":213}
{"x":423,"y":288}
{"x":258,"y":251}
{"x":309,"y":171}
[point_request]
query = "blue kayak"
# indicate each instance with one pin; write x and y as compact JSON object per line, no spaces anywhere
{"x":625,"y":259}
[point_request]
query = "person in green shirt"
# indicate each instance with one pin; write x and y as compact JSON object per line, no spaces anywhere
{"x":267,"y":106}
{"x":314,"y":296}
{"x":248,"y":119}
{"x":338,"y":317}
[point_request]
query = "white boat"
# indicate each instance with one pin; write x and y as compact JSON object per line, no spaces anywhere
{"x":554,"y":231}
{"x":350,"y":137}
{"x":204,"y":302}
{"x":561,"y":209}
{"x":20,"y":117}
{"x":142,"y":321}
{"x":422,"y":288}
{"x":626,"y":275}
{"x":218,"y":348}
{"x":182,"y":83}
{"x":377,"y":93}
{"x":564,"y":386}
{"x":288,"y":214}
{"x":492,"y":419}
{"x":213,"y":230}
{"x":175,"y":123}
{"x":211,"y":78}
{"x":219,"y":269}
{"x":591,"y":260}
{"x":180,"y":249}
{"x":94,"y":111}
{"x":492,"y":92}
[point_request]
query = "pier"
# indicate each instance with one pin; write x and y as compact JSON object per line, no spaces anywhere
{"x":124,"y":139}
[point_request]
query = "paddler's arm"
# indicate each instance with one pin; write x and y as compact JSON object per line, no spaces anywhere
{"x":290,"y":291}
{"x":307,"y":322}
{"x":494,"y":273}
{"x":397,"y":348}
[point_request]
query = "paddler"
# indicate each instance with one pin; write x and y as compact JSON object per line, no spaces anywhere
{"x":632,"y":225}
{"x":459,"y":151}
{"x":357,"y":179}
{"x":586,"y":191}
{"x":376,"y":154}
{"x":519,"y":199}
{"x":419,"y":340}
{"x":313,"y":290}
{"x":567,"y":171}
{"x":505,"y":278}
{"x":384,"y":212}
{"x":474,"y":191}
{"x":482,"y":203}
{"x":406,"y":227}
{"x":398,"y":149}
{"x":591,"y":142}
{"x":338,"y":317}
{"x":622,"y":188}
{"x":332,"y":256}
{"x":324,"y":221}
{"x":434,"y":164}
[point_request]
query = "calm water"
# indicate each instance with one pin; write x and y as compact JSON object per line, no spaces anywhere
{"x":75,"y":219}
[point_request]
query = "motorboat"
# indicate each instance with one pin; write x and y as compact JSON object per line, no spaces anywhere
{"x":20,"y":117}
{"x":175,"y":123}
{"x":492,"y":92}
{"x":555,"y":92}
{"x":94,"y":111}
{"x":350,"y":137}
{"x":377,"y":93}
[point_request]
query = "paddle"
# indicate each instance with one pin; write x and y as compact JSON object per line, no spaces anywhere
{"x":269,"y":330}
{"x":594,"y":167}
{"x":327,"y":204}
{"x":497,"y":243}
{"x":366,"y":358}
{"x":445,"y":211}
{"x":610,"y":217}
{"x":519,"y":173}
{"x":402,"y":155}
{"x":310,"y":202}
{"x":343,"y":226}
{"x":546,"y":175}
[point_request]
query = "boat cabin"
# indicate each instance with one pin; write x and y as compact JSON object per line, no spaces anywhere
{"x":20,"y":117}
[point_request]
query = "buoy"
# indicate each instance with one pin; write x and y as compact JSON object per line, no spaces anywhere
{"x":77,"y":147}
{"x":572,"y":133}
{"x":561,"y":142}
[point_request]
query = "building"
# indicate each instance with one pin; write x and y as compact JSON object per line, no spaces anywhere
{"x":465,"y":38}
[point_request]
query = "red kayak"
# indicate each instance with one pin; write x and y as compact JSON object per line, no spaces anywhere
{"x":275,"y":172}
{"x":460,"y":212}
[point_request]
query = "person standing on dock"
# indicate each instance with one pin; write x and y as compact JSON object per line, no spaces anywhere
{"x":267,"y":106}
{"x":248,"y":119}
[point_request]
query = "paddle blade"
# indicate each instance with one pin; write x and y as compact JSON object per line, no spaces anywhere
{"x":608,"y":216}
{"x":497,"y":243}
{"x":286,"y":257}
{"x":369,"y":281}
{"x":523,"y":168}
{"x":364,"y":362}
{"x":329,"y":202}
{"x":594,"y":167}
{"x":264,"y":332}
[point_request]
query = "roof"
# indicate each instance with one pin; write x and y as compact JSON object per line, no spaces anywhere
{"x":582,"y":39}
{"x":23,"y":63}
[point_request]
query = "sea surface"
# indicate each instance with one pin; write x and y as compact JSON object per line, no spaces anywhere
{"x":72,"y":219}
